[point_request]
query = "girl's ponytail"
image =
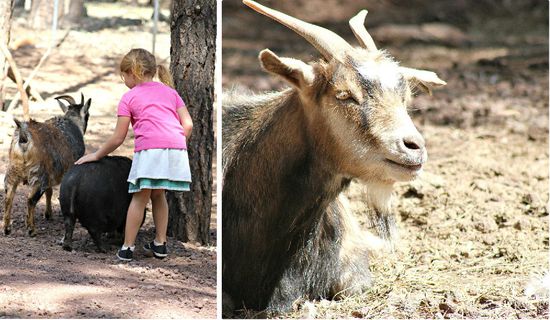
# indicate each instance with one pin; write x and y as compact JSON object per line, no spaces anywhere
{"x":142,"y":64}
{"x":165,"y":76}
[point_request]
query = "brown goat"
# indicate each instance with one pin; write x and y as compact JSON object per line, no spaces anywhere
{"x":287,"y":156}
{"x":40,"y":154}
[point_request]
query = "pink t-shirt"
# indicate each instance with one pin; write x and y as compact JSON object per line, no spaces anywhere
{"x":152,"y":107}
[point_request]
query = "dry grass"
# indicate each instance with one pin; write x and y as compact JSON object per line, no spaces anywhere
{"x":404,"y":289}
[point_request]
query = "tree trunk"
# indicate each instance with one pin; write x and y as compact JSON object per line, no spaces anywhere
{"x":6,"y":9}
{"x":193,"y":48}
{"x":42,"y":13}
{"x":77,"y":11}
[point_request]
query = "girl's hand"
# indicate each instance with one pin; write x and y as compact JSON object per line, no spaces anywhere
{"x":186,"y":122}
{"x":88,"y":158}
{"x":114,"y":141}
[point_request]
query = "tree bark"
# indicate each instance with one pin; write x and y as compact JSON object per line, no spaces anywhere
{"x":77,"y":11}
{"x":42,"y":13}
{"x":6,"y":10}
{"x":193,"y":48}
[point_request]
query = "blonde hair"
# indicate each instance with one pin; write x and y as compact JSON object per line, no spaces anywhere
{"x":141,"y":63}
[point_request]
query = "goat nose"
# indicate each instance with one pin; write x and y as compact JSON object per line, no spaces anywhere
{"x":413,"y":142}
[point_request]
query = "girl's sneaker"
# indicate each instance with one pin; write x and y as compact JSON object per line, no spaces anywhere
{"x":158,"y":251}
{"x":125,"y":255}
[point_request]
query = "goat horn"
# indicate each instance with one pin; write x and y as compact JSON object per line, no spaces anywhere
{"x":328,"y":43}
{"x":357,"y":25}
{"x":69,"y":99}
{"x":81,"y":99}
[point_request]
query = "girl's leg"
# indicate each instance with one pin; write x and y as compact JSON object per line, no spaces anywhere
{"x":135,"y":216}
{"x":160,"y":214}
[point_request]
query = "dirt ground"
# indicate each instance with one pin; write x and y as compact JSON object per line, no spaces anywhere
{"x":37,"y":278}
{"x":474,"y":229}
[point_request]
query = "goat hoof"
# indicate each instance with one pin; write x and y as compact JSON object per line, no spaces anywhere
{"x":49,"y":216}
{"x":32,"y":233}
{"x":67,"y":248}
{"x":7,"y":231}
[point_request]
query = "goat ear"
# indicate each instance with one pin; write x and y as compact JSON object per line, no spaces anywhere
{"x":23,"y":131}
{"x":426,"y":80}
{"x":294,"y":71}
{"x":62,"y":106}
{"x":86,"y":107}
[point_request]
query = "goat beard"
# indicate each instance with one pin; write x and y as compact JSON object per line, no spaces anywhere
{"x":379,"y":213}
{"x":384,"y":224}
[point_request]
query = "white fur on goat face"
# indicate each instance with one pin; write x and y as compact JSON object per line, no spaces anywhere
{"x":367,"y":114}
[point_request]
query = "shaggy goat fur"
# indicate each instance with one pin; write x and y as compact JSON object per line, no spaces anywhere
{"x":39,"y":155}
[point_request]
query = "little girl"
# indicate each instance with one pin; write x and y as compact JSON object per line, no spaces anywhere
{"x":162,"y":125}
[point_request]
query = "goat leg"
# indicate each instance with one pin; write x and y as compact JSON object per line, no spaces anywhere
{"x":48,"y":213}
{"x":353,"y":275}
{"x":36,"y":194}
{"x":10,"y":191}
{"x":68,"y":238}
{"x":96,"y":236}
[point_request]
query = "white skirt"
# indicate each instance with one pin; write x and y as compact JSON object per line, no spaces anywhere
{"x":160,"y":164}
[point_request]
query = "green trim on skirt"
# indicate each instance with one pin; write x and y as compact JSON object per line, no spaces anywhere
{"x":146,"y":183}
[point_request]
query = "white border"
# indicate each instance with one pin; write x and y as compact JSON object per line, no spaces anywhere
{"x":218,"y":108}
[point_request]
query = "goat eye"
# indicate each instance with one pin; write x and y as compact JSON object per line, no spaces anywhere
{"x":346,"y":97}
{"x":343,"y":95}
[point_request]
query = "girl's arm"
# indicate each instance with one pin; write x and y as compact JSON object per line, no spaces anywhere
{"x":114,"y":141}
{"x":186,"y":122}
